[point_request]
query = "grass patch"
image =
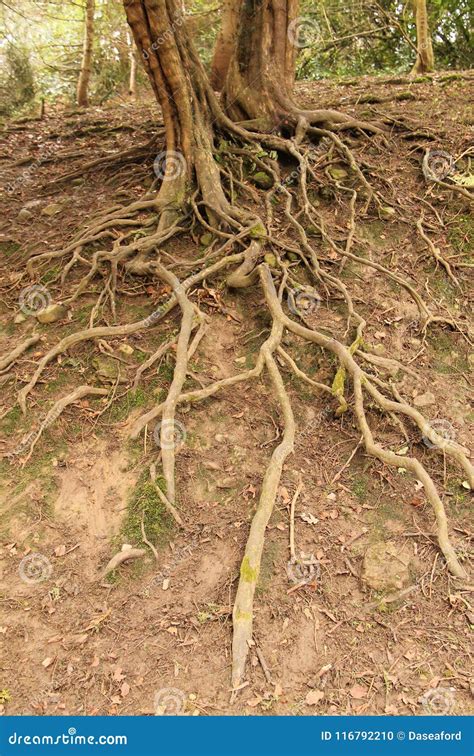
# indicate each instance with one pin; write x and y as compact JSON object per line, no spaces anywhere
{"x":144,"y":503}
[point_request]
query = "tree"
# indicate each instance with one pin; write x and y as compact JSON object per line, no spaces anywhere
{"x":225,"y":44}
{"x":209,"y":149}
{"x":86,"y":64}
{"x":133,"y":61}
{"x":424,"y":57}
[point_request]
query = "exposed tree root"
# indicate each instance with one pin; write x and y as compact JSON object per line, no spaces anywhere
{"x":288,"y":256}
{"x":57,"y":409}
{"x":120,"y":558}
{"x":10,"y":358}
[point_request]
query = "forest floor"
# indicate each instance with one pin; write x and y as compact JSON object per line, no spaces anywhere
{"x":382,"y":627}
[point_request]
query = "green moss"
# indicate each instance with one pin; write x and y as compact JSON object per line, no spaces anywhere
{"x":120,"y":410}
{"x":247,"y":573}
{"x":12,"y":421}
{"x":359,"y":487}
{"x":145,"y":504}
{"x":258,"y":231}
{"x":9,"y":247}
{"x":461,"y":235}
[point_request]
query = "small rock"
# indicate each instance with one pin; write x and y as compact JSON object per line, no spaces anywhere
{"x":387,"y":212}
{"x":385,"y":567}
{"x":24,"y":214}
{"x":20,"y":318}
{"x":52,"y":313}
{"x":126,"y":349}
{"x":270,"y":259}
{"x":108,"y":369}
{"x":32,"y":203}
{"x":52,"y":209}
{"x":206,"y":240}
{"x":424,"y":400}
{"x":262,"y":179}
{"x":338,"y":173}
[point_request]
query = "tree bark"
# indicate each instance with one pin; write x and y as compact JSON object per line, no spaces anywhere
{"x":261,"y":73}
{"x":425,"y":58}
{"x":132,"y":57}
{"x":225,"y":43}
{"x":187,"y":102}
{"x":86,"y":65}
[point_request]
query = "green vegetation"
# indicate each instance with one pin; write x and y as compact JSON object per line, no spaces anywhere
{"x":145,"y":506}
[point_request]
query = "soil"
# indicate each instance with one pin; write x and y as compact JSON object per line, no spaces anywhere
{"x":379,"y":626}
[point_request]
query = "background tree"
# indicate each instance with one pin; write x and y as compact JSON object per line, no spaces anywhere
{"x":86,"y":64}
{"x":225,"y":43}
{"x":424,"y":47}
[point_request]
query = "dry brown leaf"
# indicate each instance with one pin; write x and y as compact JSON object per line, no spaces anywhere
{"x":358,"y":691}
{"x":314,"y":697}
{"x":125,"y":689}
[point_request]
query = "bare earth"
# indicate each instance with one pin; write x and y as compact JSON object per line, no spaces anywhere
{"x":380,"y":627}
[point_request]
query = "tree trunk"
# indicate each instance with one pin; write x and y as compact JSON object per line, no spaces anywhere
{"x":132,"y":57}
{"x":225,"y":43}
{"x":86,"y":65}
{"x":261,"y":73}
{"x":188,"y":105}
{"x":425,"y":58}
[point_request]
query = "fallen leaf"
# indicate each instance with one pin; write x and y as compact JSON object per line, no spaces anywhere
{"x":253,"y":701}
{"x":358,"y":691}
{"x":314,"y":697}
{"x":118,"y":676}
{"x":60,"y":550}
{"x":125,"y":689}
{"x":47,"y":662}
